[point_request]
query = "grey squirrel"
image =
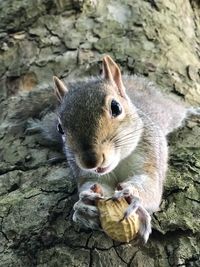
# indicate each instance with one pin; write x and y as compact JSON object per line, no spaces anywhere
{"x":113,"y":130}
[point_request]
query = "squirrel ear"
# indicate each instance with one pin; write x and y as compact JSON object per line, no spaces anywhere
{"x":60,"y":88}
{"x":111,"y":72}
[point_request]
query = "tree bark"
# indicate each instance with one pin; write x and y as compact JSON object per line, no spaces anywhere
{"x":42,"y":38}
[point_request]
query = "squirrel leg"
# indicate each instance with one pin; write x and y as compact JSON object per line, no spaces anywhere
{"x":145,"y":223}
{"x":145,"y":219}
{"x":90,"y":195}
{"x":82,"y":207}
{"x":86,"y":221}
{"x":130,"y":193}
{"x":85,"y":211}
{"x":86,"y":215}
{"x":125,"y":190}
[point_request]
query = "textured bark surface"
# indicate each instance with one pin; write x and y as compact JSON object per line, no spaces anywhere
{"x":41,"y":38}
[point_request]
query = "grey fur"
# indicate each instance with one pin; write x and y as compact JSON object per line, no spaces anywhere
{"x":157,"y":116}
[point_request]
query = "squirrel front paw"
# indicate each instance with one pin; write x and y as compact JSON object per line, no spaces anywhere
{"x":131,"y":194}
{"x":86,"y":213}
{"x":127,"y":191}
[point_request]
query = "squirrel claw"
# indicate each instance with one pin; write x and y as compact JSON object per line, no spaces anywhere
{"x":144,"y":217}
{"x":85,"y":221}
{"x":88,"y":195}
{"x":110,"y":198}
{"x":99,"y":198}
{"x":127,"y":191}
{"x":117,"y":195}
{"x":86,"y":213}
{"x":145,"y":224}
{"x":133,"y":206}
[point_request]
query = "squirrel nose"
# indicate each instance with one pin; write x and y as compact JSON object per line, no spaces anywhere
{"x":91,"y":160}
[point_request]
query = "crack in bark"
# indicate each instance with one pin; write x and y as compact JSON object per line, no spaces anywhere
{"x":55,"y":192}
{"x":2,"y":222}
{"x":120,"y":257}
{"x":13,"y":187}
{"x":194,"y":18}
{"x":32,"y":196}
{"x":192,"y":199}
{"x":4,"y":235}
{"x":22,"y":168}
{"x":132,"y":258}
{"x":156,"y":219}
{"x":61,"y":40}
{"x":88,"y":239}
{"x":196,"y":182}
{"x":154,"y":4}
{"x":175,"y":191}
{"x":91,"y":258}
{"x":193,"y":259}
{"x":25,"y":168}
{"x":171,"y":234}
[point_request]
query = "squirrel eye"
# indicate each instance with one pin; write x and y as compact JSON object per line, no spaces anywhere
{"x":116,"y":109}
{"x":60,"y":129}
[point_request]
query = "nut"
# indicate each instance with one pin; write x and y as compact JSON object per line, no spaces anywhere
{"x":112,"y":222}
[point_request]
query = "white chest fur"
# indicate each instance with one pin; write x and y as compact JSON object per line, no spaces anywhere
{"x":127,"y":168}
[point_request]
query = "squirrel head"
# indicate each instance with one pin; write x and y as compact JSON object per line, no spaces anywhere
{"x":99,"y":124}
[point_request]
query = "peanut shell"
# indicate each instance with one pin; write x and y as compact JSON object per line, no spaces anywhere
{"x":111,"y":215}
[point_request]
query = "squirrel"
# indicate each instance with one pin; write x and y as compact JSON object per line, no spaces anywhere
{"x":113,"y":130}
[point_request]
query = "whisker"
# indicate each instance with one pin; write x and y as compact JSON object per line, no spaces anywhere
{"x":119,"y":137}
{"x":126,"y":139}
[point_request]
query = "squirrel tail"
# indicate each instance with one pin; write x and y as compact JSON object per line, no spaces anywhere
{"x":46,"y":128}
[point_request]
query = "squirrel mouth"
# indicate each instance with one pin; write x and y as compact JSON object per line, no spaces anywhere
{"x":102,"y":170}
